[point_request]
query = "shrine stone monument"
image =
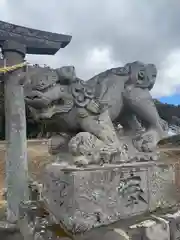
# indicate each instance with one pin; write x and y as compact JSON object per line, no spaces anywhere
{"x":100,"y":176}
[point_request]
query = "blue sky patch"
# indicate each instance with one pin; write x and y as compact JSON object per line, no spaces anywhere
{"x":174,"y":99}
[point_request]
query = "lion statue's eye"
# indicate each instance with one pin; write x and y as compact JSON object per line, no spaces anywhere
{"x":141,"y":75}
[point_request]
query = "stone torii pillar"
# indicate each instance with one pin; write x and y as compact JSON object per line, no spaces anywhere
{"x":15,"y":42}
{"x":16,"y":150}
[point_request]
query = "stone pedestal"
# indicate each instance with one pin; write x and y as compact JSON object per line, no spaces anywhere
{"x":152,"y":228}
{"x":174,"y":224}
{"x":82,"y":199}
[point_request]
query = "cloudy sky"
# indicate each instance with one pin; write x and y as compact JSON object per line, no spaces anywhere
{"x":108,"y":33}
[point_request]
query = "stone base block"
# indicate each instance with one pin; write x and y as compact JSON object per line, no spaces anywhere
{"x":174,"y":224}
{"x":154,"y":228}
{"x":82,"y":199}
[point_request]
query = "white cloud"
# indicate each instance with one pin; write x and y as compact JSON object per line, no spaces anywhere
{"x":100,"y":57}
{"x":4,"y":13}
{"x":169,"y":75}
{"x":98,"y":60}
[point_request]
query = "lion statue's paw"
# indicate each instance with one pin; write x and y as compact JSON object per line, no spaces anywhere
{"x":88,"y":149}
{"x":146,"y":142}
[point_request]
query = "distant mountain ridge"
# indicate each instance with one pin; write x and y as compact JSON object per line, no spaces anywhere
{"x":169,"y":112}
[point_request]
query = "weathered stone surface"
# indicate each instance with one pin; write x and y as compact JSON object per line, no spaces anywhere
{"x":163,"y":190}
{"x":16,"y":151}
{"x":11,"y":236}
{"x":82,"y":199}
{"x":36,"y":41}
{"x":154,"y":228}
{"x":151,"y":227}
{"x":174,"y":224}
{"x":105,"y":234}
